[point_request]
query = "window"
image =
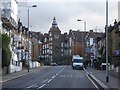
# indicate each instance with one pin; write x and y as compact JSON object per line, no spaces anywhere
{"x":50,"y":34}
{"x":78,"y":60}
{"x":61,"y":50}
{"x":61,"y":44}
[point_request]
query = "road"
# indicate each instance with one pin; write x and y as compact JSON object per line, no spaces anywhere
{"x":53,"y":77}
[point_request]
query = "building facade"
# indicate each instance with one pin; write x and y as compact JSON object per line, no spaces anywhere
{"x":20,"y":38}
{"x":55,"y":46}
{"x":55,"y":42}
{"x":113,"y":45}
{"x":92,"y":39}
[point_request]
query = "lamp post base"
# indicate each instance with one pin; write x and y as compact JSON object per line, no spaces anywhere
{"x":107,"y":79}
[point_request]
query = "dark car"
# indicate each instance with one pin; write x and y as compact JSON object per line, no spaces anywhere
{"x":53,"y":64}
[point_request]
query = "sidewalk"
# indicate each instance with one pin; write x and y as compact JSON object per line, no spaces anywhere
{"x":100,"y":77}
{"x":15,"y":75}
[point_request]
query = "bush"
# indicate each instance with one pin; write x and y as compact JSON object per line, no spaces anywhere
{"x":6,"y":57}
{"x":5,"y":40}
{"x":6,"y":54}
{"x":117,"y":63}
{"x":103,"y":59}
{"x":97,"y":64}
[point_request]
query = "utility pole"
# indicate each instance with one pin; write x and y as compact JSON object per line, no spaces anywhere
{"x":83,"y":45}
{"x":28,"y":42}
{"x":28,"y":32}
{"x":107,"y":76}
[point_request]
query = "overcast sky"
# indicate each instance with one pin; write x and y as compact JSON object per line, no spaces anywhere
{"x":66,"y":13}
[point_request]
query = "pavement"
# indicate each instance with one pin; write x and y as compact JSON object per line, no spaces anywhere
{"x":12,"y":76}
{"x":99,"y":76}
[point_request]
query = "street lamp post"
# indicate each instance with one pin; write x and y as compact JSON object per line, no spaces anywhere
{"x":107,"y":76}
{"x":82,"y":34}
{"x":28,"y":29}
{"x":28,"y":34}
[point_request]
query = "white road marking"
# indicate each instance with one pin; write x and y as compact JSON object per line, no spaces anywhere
{"x":92,"y":82}
{"x":49,"y":80}
{"x":90,"y":72}
{"x":57,"y":74}
{"x":31,"y":85}
{"x":62,"y":75}
{"x":45,"y":81}
{"x":42,"y":86}
{"x":61,"y":70}
{"x":53,"y":77}
{"x":71,"y":76}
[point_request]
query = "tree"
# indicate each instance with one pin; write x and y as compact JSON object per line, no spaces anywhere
{"x":6,"y":53}
{"x":100,"y":51}
{"x":77,"y":49}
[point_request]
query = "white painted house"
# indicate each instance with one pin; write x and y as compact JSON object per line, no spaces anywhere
{"x":10,"y":12}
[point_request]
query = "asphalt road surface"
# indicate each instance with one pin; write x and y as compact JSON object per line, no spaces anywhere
{"x":53,"y":77}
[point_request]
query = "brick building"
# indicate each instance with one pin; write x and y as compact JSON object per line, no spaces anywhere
{"x":55,"y":42}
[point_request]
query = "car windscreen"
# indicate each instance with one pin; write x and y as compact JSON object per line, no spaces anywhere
{"x":78,"y":60}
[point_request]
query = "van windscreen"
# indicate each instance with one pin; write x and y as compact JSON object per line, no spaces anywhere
{"x":78,"y":60}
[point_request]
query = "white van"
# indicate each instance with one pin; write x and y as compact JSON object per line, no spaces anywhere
{"x":77,"y":62}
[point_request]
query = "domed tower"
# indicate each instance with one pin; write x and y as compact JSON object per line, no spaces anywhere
{"x":54,"y":24}
{"x":55,"y":42}
{"x":54,"y":27}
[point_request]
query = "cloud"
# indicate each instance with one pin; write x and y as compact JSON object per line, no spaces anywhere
{"x":67,"y":0}
{"x":66,"y":14}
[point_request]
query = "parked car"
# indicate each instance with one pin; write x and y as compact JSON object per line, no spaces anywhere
{"x":53,"y":64}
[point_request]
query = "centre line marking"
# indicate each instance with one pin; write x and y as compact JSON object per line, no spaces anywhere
{"x":56,"y":74}
{"x":49,"y":80}
{"x":45,"y":81}
{"x":60,"y":71}
{"x":31,"y":85}
{"x":53,"y":76}
{"x":42,"y":86}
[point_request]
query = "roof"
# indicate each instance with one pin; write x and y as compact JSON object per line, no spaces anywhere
{"x":54,"y":29}
{"x":77,"y":56}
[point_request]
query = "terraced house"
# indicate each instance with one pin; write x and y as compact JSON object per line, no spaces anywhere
{"x":21,"y":40}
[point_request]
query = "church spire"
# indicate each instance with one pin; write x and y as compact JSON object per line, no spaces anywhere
{"x":54,"y":24}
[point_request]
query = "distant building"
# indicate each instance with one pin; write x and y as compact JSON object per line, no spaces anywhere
{"x":46,"y":50}
{"x":65,"y":49}
{"x":55,"y":42}
{"x":55,"y":46}
{"x":91,"y":50}
{"x":77,"y":37}
{"x":119,"y":11}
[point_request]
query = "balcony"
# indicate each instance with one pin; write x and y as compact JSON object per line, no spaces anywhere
{"x":7,"y":17}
